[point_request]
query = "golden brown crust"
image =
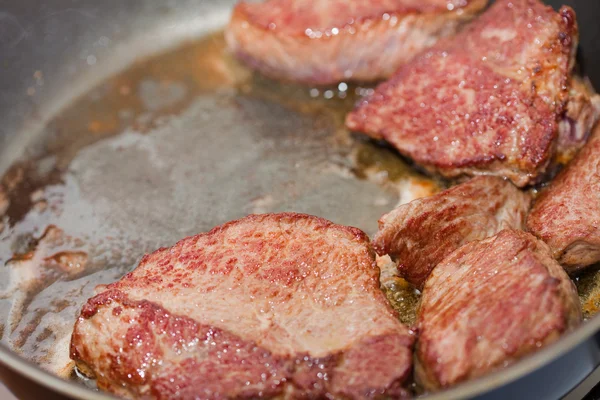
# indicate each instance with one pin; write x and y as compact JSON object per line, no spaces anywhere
{"x":486,"y":101}
{"x":294,"y":17}
{"x":581,"y":115}
{"x":266,"y":306}
{"x":324,"y":42}
{"x":567,"y":214}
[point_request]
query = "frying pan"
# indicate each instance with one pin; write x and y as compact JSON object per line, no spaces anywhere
{"x":105,"y":165}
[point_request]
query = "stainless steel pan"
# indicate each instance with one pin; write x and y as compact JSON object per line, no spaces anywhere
{"x":124,"y":127}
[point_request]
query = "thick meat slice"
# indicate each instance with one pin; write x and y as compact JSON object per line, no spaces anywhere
{"x":488,"y":304}
{"x":486,"y":101}
{"x":567,"y":214}
{"x":275,"y":305}
{"x":327,"y":41}
{"x":420,"y":234}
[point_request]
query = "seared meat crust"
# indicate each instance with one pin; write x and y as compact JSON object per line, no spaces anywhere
{"x":488,"y":304}
{"x":420,"y":234}
{"x":325,"y":41}
{"x":581,"y":116}
{"x":486,"y":101}
{"x":567,"y":213}
{"x":276,"y":305}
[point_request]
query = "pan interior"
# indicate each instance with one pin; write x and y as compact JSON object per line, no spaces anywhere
{"x":171,"y":147}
